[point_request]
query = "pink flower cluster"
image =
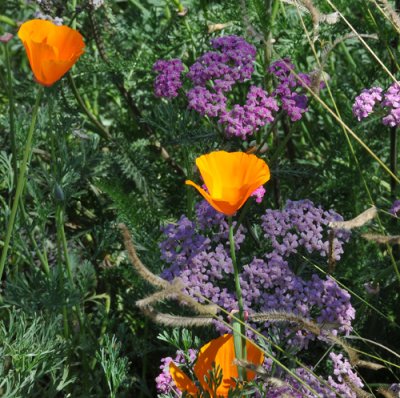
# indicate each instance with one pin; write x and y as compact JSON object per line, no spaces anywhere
{"x":374,"y":99}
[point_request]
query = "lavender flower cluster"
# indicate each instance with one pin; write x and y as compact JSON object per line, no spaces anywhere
{"x":369,"y":99}
{"x":215,"y":73}
{"x":395,"y":208}
{"x":301,"y":224}
{"x":340,"y":382}
{"x":243,"y":121}
{"x":168,"y":80}
{"x":198,"y":252}
{"x":294,"y":103}
{"x":233,"y":63}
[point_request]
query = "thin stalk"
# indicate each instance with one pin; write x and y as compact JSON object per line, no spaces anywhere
{"x":272,"y":8}
{"x":61,"y":276}
{"x":11,"y":110}
{"x":239,"y":330}
{"x":73,"y":6}
{"x":393,"y":160}
{"x":271,"y":127}
{"x":42,"y":256}
{"x":64,"y":246}
{"x":21,"y":181}
{"x":101,"y":129}
{"x":61,"y":231}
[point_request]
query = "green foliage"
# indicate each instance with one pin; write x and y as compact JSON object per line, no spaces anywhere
{"x":115,"y":367}
{"x":34,"y":356}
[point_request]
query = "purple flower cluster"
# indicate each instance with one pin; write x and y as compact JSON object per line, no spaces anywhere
{"x":364,"y":103}
{"x":205,"y":102}
{"x":367,"y":101}
{"x":301,"y":224}
{"x":243,"y":121}
{"x":391,"y":101}
{"x":168,"y":80}
{"x":338,"y":383}
{"x":216,"y":72}
{"x":234,"y":63}
{"x":198,"y":252}
{"x":294,"y":103}
{"x":395,"y":208}
{"x":272,"y":285}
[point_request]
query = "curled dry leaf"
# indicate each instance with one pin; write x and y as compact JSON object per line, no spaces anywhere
{"x":218,"y":26}
{"x":356,"y":222}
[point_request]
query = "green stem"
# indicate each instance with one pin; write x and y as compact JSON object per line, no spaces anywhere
{"x":101,"y":129}
{"x":239,"y":331}
{"x":42,"y":256}
{"x":73,"y":6}
{"x":393,"y":160}
{"x":11,"y":112}
{"x":272,"y":8}
{"x":271,"y":127}
{"x":61,"y":276}
{"x":20,"y":182}
{"x":63,"y":239}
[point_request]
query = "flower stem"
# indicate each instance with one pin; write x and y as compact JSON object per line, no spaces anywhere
{"x":102,"y":131}
{"x":393,"y":161}
{"x":20,"y":181}
{"x":11,"y":112}
{"x":63,"y":240}
{"x":239,"y":331}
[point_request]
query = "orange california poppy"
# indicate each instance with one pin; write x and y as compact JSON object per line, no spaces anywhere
{"x":230,"y":178}
{"x":51,"y":49}
{"x":221,"y":352}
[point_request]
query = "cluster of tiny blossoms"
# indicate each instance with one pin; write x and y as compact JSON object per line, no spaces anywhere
{"x":372,"y":99}
{"x":301,"y":224}
{"x":340,"y":382}
{"x":198,"y":253}
{"x":168,"y":80}
{"x":293,"y":102}
{"x":215,"y":73}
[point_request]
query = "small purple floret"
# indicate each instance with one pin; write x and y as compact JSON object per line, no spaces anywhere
{"x":391,"y":100}
{"x":364,"y":103}
{"x":243,"y":121}
{"x":168,"y":80}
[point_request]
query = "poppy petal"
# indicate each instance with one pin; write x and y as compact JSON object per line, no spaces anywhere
{"x":219,"y":205}
{"x":181,"y":380}
{"x":231,"y":177}
{"x":221,"y":351}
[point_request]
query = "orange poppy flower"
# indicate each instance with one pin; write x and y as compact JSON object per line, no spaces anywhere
{"x":221,"y":352}
{"x":230,"y":178}
{"x":51,"y":49}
